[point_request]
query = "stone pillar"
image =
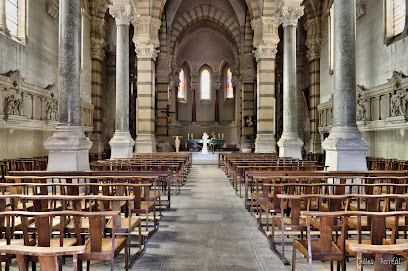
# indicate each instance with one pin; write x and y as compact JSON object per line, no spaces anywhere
{"x":146,"y":41}
{"x":237,"y":107}
{"x":345,"y":147}
{"x":247,"y":82}
{"x":98,"y":55}
{"x":290,"y":145}
{"x":195,"y":86}
{"x":313,"y":43}
{"x":3,"y":25}
{"x":122,"y":142}
{"x":69,"y":147}
{"x":217,"y":90}
{"x":266,"y":39}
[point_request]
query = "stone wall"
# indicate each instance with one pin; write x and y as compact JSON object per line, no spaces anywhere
{"x":29,"y":79}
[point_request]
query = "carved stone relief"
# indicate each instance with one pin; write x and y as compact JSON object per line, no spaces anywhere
{"x":13,"y":106}
{"x":381,"y":107}
{"x":25,"y":106}
{"x":51,"y":110}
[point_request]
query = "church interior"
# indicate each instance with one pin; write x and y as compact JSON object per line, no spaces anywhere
{"x":203,"y":134}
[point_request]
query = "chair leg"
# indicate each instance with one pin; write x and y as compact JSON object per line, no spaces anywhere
{"x":294,"y":259}
{"x":88,"y":265}
{"x":127,"y":257}
{"x":112,"y":264}
{"x":331,"y":265}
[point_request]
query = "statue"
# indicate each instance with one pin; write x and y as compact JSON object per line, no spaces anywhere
{"x":177,"y":144}
{"x":205,"y":141}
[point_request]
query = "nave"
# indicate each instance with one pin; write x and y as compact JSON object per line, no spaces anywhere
{"x":208,"y":229}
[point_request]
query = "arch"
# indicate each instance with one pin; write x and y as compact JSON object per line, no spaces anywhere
{"x":229,"y":43}
{"x":206,"y":12}
{"x":254,"y":8}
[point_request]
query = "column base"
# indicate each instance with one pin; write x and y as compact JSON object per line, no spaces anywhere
{"x":122,"y":145}
{"x":145,"y":144}
{"x":265,"y":144}
{"x":244,"y":146}
{"x":346,"y":150}
{"x":290,"y":145}
{"x":68,"y":149}
{"x":315,"y":144}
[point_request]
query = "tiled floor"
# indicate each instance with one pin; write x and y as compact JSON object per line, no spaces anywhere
{"x":208,"y":229}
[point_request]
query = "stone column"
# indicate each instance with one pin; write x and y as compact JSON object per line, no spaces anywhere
{"x":248,"y":76}
{"x":266,"y":39}
{"x":98,"y":55}
{"x":345,"y":147}
{"x":3,"y":25}
{"x":122,"y":142}
{"x":290,"y":145}
{"x":69,"y":147}
{"x":313,"y":43}
{"x":217,"y":90}
{"x":195,"y":87}
{"x":146,"y":41}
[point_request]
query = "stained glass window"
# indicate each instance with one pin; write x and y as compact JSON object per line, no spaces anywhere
{"x":230,"y":89}
{"x":12,"y":16}
{"x":181,"y":89}
{"x":205,"y":85}
{"x":399,"y":13}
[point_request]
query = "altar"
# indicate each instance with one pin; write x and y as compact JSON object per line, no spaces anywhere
{"x":201,"y":141}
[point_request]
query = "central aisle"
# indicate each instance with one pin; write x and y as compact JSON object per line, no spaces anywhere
{"x":208,"y":228}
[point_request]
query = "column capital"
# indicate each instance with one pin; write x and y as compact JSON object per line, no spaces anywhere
{"x":266,"y":37}
{"x":97,"y":48}
{"x":314,"y":38}
{"x":146,"y":31}
{"x":247,"y":68}
{"x":216,"y":86}
{"x":146,"y":51}
{"x":290,"y":12}
{"x":123,"y":13}
{"x":195,"y":85}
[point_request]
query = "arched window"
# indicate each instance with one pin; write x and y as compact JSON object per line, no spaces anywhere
{"x":399,"y":13}
{"x":230,"y":89}
{"x":205,"y":85}
{"x":181,"y":94}
{"x":15,"y":19}
{"x":12,"y":16}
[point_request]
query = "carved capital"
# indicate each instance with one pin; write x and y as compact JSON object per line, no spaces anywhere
{"x":265,"y":53}
{"x":361,"y":8}
{"x":146,"y":51}
{"x":313,"y":39}
{"x":123,"y":14}
{"x":146,"y":31}
{"x":53,"y":8}
{"x":290,"y":12}
{"x":195,"y":85}
{"x":265,"y":32}
{"x":97,"y":48}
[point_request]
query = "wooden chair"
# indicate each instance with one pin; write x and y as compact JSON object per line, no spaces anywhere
{"x":324,"y":248}
{"x":47,"y":256}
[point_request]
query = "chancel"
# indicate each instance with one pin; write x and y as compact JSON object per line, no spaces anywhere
{"x":203,"y":134}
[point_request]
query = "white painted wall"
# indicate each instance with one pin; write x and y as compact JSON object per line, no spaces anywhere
{"x":37,"y":62}
{"x":375,"y":62}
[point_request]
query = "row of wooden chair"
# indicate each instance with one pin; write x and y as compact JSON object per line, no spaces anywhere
{"x":95,"y":193}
